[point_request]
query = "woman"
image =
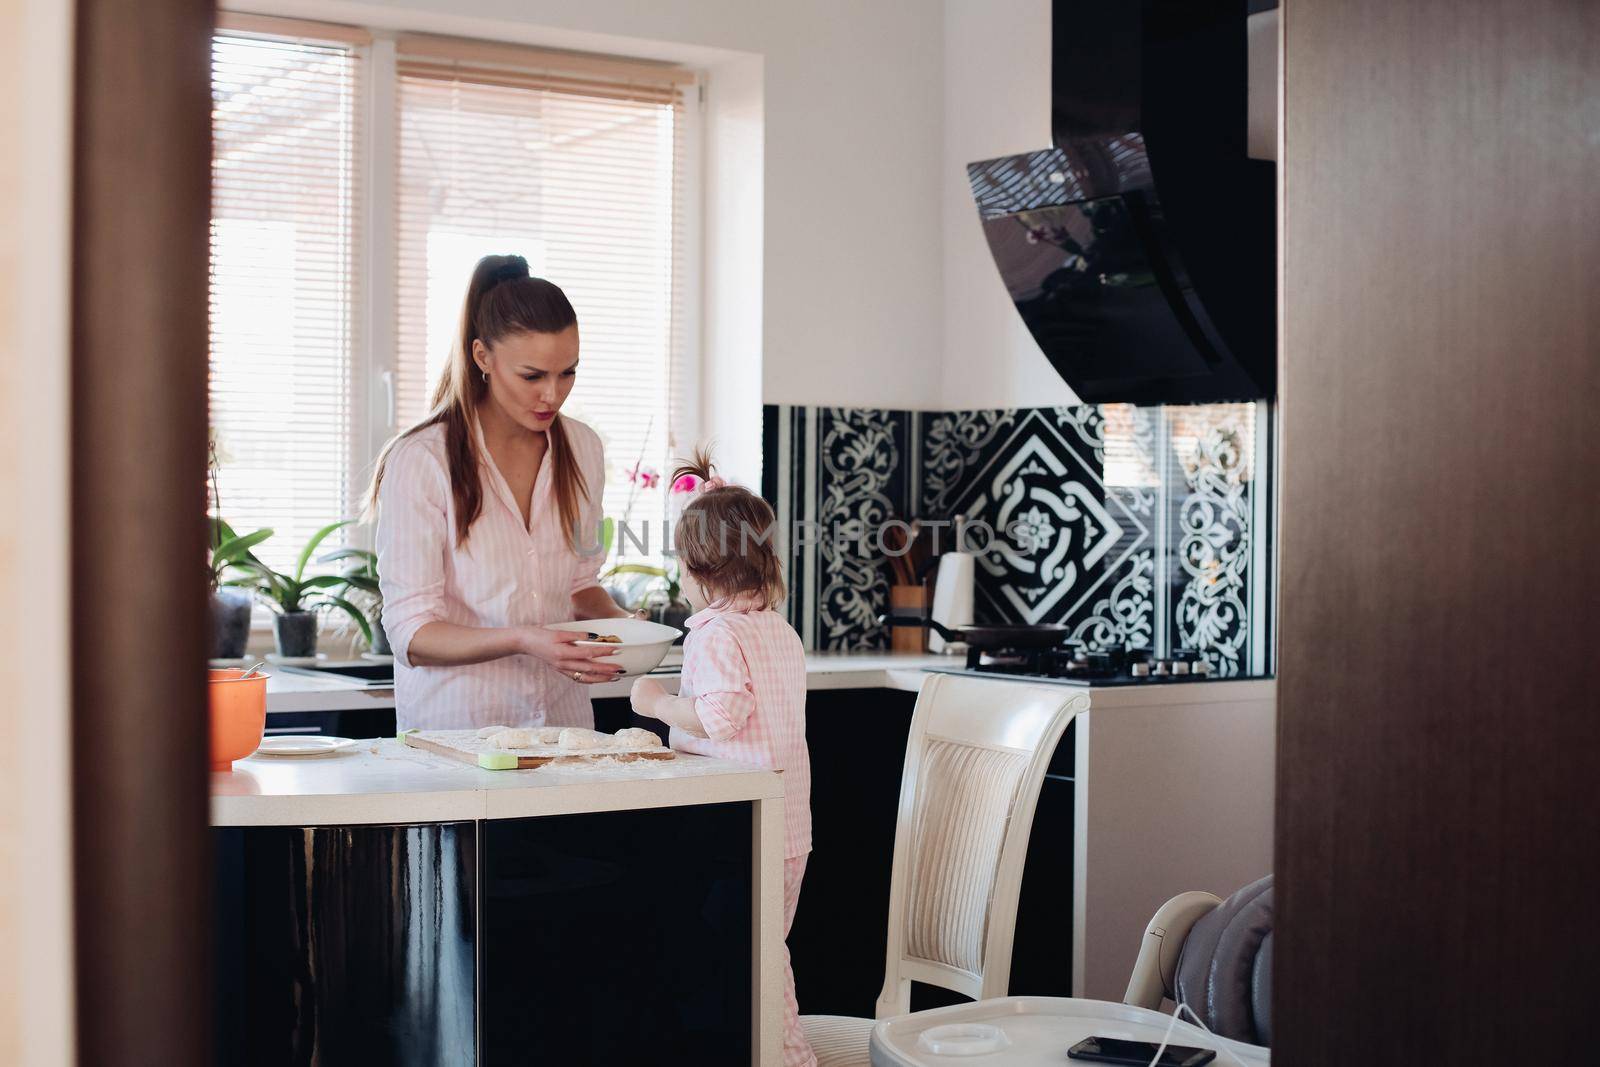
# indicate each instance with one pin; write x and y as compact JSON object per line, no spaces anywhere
{"x":488,"y":513}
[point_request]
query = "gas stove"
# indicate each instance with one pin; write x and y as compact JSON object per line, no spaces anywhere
{"x":1071,"y":664}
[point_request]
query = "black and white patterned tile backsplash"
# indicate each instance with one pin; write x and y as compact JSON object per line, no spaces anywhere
{"x":1145,"y":526}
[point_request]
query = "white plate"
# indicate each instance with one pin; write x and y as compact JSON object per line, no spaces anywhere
{"x":304,"y":745}
{"x":373,"y":657}
{"x":297,"y":661}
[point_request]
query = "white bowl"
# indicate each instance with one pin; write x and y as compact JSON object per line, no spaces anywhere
{"x":644,"y":644}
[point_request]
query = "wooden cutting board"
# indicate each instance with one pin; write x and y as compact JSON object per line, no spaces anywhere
{"x":467,"y":747}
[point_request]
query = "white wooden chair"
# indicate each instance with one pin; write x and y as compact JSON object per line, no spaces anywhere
{"x":975,"y":758}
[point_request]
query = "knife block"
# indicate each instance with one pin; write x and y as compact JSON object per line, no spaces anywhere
{"x":908,"y":600}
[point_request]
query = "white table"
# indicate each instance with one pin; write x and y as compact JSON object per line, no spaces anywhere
{"x":1039,"y":1030}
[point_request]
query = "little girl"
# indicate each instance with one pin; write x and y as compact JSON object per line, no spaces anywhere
{"x":742,"y":695}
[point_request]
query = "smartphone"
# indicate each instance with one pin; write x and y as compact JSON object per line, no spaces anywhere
{"x":1138,"y":1053}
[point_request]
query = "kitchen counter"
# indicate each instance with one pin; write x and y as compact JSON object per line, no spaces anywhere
{"x":386,"y":782}
{"x":421,"y":910}
{"x":824,"y":670}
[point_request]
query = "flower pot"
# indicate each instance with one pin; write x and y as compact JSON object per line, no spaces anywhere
{"x":380,"y":636}
{"x":230,"y":623}
{"x":674,"y":614}
{"x":238,"y":715}
{"x":295,"y":633}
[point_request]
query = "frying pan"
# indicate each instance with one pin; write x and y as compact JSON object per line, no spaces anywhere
{"x":1044,"y":635}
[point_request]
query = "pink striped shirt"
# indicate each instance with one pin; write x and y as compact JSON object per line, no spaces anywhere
{"x":506,"y":574}
{"x":746,"y":669}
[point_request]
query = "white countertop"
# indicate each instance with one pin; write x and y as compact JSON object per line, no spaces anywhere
{"x":384,"y":781}
{"x":824,"y":670}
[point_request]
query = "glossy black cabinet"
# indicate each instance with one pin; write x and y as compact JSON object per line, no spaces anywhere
{"x":600,"y":938}
{"x":346,"y":945}
{"x":618,"y":937}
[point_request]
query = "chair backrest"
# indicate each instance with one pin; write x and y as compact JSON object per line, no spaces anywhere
{"x":1215,"y":956}
{"x":975,"y":758}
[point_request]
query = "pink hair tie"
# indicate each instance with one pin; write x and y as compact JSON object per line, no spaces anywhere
{"x":714,"y":483}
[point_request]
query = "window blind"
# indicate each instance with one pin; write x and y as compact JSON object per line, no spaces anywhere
{"x":283,"y":291}
{"x":577,"y":165}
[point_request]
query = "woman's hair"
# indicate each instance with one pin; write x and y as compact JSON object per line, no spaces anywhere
{"x":724,"y":538}
{"x":501,"y":300}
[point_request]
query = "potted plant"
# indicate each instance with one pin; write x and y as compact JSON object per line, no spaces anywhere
{"x":297,"y":599}
{"x":360,"y":575}
{"x":230,"y":605}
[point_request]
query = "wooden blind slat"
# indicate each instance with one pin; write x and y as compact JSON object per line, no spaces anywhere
{"x":520,"y":57}
{"x":543,"y":81}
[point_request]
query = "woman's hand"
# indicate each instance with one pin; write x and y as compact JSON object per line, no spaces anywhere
{"x":580,"y":663}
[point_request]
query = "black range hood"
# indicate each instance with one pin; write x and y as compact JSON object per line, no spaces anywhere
{"x":1140,"y":249}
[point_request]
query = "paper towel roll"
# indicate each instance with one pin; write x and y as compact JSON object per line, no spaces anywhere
{"x":952,"y":598}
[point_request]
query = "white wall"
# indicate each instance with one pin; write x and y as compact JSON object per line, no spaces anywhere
{"x":996,"y":103}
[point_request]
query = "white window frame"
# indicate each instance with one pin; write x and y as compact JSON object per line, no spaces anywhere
{"x":373,"y":414}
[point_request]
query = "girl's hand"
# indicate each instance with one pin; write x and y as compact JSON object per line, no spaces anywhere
{"x":651,"y":699}
{"x":582,"y":664}
{"x":646,"y":692}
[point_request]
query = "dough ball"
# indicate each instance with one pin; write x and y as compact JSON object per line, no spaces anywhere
{"x":575,"y":739}
{"x":633,"y":737}
{"x":524,"y":737}
{"x":514,"y":739}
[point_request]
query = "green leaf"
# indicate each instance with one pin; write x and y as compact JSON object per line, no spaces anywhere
{"x":636,"y":568}
{"x":366,"y":555}
{"x":324,"y":581}
{"x":311,"y":546}
{"x":220,"y":530}
{"x":354,"y":612}
{"x":235,"y":549}
{"x":265,"y":578}
{"x":362,"y":582}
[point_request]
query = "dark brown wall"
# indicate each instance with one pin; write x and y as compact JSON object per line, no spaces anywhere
{"x":1439,"y":750}
{"x":141,"y":196}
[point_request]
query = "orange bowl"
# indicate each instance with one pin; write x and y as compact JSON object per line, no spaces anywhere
{"x":238,"y":715}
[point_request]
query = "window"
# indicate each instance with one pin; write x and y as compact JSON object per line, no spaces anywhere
{"x":576,"y":167}
{"x":341,"y":251}
{"x":283,"y":234}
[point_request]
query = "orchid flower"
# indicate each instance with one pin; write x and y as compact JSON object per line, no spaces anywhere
{"x":644,"y":477}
